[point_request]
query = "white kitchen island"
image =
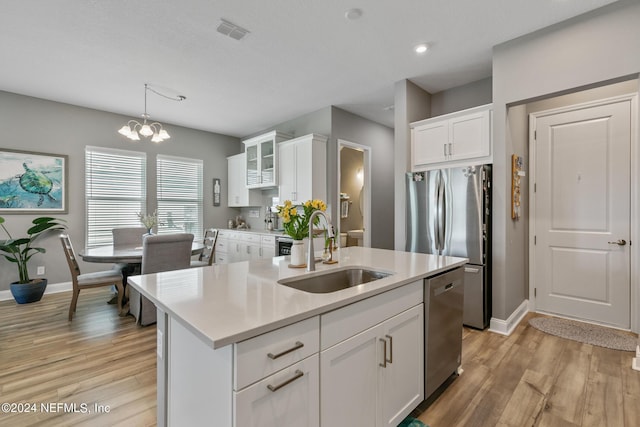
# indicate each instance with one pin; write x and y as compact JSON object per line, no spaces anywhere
{"x":236,"y":348}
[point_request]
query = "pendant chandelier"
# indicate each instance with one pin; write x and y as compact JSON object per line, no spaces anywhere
{"x":134,"y":129}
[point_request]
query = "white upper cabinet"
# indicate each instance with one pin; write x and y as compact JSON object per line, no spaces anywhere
{"x":238,"y":193}
{"x":262,"y":159}
{"x":452,"y":139}
{"x":303,"y":169}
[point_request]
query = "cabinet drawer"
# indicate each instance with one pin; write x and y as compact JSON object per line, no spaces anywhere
{"x":250,"y":237}
{"x":340,"y":324}
{"x":259,"y":357}
{"x":287,"y":398}
{"x":222,"y":246}
{"x":268,"y":240}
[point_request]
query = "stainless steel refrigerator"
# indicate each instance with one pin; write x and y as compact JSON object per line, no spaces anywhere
{"x":449,"y":213}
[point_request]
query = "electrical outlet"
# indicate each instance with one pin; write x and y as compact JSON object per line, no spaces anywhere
{"x":40,"y":270}
{"x":254,"y":213}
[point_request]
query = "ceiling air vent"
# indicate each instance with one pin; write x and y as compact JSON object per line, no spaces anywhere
{"x":232,"y":30}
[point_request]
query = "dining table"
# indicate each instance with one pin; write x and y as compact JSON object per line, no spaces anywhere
{"x":123,"y":254}
{"x":129,"y":255}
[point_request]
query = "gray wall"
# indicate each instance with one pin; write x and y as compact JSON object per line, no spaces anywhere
{"x":411,"y":104}
{"x":44,"y":126}
{"x":581,"y":52}
{"x":349,"y":127}
{"x":462,"y":97}
{"x":336,"y":123}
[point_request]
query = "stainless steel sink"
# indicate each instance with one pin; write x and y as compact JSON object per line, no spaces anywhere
{"x":334,"y":280}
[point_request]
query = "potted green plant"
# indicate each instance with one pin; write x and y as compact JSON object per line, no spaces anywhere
{"x":21,"y":250}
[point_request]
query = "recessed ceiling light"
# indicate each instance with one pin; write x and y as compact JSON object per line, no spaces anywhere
{"x":353,"y":14}
{"x":421,"y":48}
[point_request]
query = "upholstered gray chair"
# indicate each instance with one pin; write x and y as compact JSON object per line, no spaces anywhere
{"x":128,"y":236}
{"x":207,"y":256}
{"x":162,"y":252}
{"x":89,"y":280}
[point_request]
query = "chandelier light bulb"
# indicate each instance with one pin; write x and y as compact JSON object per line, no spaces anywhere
{"x":163,"y":134}
{"x":146,"y":130}
{"x":125,"y":130}
{"x":134,"y":136}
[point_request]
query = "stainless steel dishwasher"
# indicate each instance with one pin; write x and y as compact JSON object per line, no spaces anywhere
{"x":444,"y":301}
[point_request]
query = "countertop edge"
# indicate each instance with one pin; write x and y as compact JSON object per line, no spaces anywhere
{"x":268,"y":327}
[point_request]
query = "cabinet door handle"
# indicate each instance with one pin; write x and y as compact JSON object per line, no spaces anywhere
{"x":390,"y":360}
{"x":298,"y":374}
{"x":450,"y":148}
{"x":295,"y":347}
{"x":384,"y":353}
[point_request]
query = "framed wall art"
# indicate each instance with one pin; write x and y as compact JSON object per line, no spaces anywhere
{"x":216,"y":191}
{"x":33,"y":183}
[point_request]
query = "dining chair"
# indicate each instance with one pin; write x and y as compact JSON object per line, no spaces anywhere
{"x":128,"y":236}
{"x":89,"y":280}
{"x":207,"y":256}
{"x":162,"y":252}
{"x":124,"y":237}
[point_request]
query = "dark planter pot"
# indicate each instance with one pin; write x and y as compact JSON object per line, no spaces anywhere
{"x":25,"y":293}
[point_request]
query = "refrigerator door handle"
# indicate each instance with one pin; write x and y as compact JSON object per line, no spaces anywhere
{"x":439,"y":214}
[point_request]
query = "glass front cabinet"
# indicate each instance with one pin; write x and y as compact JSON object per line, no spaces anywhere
{"x":262,"y":159}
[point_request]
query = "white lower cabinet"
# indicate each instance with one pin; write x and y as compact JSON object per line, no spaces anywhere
{"x":286,"y":398}
{"x":236,"y":246}
{"x":361,"y":364}
{"x":375,"y":377}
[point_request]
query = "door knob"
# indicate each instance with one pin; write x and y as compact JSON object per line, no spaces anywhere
{"x":620,"y":242}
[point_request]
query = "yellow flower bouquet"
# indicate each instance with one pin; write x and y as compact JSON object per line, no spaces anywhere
{"x":295,"y":219}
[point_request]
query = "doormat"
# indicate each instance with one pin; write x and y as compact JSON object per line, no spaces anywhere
{"x":586,"y":333}
{"x":412,"y":422}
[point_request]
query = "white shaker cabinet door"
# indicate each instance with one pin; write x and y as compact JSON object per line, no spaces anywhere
{"x":349,"y":381}
{"x":430,"y":143}
{"x":286,"y":398}
{"x":469,"y":136}
{"x":288,"y":167}
{"x":402,"y":379}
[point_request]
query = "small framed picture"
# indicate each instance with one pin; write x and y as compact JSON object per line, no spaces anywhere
{"x":216,"y":191}
{"x":33,"y":182}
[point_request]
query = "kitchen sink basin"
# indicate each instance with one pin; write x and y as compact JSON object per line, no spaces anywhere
{"x":334,"y":280}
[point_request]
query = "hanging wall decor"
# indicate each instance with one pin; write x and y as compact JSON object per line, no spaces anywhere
{"x":32,"y":182}
{"x":216,"y":191}
{"x":516,"y":173}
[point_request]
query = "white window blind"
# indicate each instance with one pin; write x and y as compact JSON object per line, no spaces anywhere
{"x":115,"y":191}
{"x":180,"y":196}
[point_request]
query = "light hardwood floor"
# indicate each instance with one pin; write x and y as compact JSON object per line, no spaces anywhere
{"x":534,"y":379}
{"x":98,"y":358}
{"x":527,"y":379}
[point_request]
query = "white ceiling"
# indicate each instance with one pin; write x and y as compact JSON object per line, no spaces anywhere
{"x":300,"y":55}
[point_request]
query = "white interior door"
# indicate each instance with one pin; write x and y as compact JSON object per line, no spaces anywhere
{"x":581,"y":213}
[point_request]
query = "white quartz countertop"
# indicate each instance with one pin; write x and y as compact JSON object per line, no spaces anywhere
{"x":228,"y":303}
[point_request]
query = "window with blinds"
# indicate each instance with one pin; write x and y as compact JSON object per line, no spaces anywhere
{"x":180,"y":198}
{"x":115,"y":191}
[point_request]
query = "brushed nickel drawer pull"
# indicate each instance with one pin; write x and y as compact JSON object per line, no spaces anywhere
{"x":296,"y":346}
{"x":390,"y":360}
{"x":384,"y":355}
{"x":298,"y":374}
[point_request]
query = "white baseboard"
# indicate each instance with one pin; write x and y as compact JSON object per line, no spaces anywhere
{"x":52,"y":288}
{"x":506,"y":327}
